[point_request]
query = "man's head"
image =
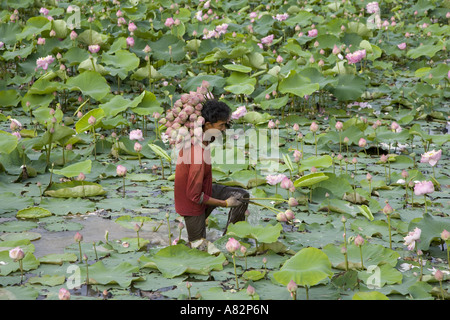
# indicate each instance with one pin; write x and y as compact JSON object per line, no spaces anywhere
{"x":216,"y":114}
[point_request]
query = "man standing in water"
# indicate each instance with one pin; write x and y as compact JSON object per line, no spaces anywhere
{"x":195,"y":194}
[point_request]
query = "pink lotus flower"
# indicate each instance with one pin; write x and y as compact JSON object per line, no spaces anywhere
{"x":286,"y":183}
{"x":121,"y":170}
{"x":312,"y":33}
{"x":14,"y":125}
{"x":131,"y":27}
{"x":94,"y":48}
{"x":16,"y":254}
{"x":169,"y":22}
{"x":339,"y":125}
{"x":356,"y":56}
{"x":281,"y":217}
{"x":130,"y":41}
{"x":232,"y":245}
{"x":412,"y":237}
{"x":63,"y":294}
{"x":281,"y":17}
{"x":267,"y":40}
{"x":372,"y":7}
{"x":73,"y":35}
{"x":431,"y":157}
{"x":362,"y":142}
{"x":359,"y":241}
{"x":240,"y":112}
{"x":314,"y":127}
{"x":423,"y":187}
{"x":275,"y":179}
{"x":44,"y":62}
{"x":402,"y":46}
{"x":136,"y":135}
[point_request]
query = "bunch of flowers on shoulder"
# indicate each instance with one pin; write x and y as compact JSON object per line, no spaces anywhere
{"x":184,"y":121}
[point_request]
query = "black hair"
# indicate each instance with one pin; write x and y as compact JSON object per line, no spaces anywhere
{"x":214,"y":111}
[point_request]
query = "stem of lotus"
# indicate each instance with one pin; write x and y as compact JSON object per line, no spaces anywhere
{"x":389,"y":225}
{"x":79,"y":247}
{"x":168,"y":227}
{"x":425,"y":198}
{"x":360,"y":252}
{"x":123,"y":187}
{"x":235,"y":273}
{"x":21,"y":270}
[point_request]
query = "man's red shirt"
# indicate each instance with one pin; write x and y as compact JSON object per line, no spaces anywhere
{"x":193,"y":180}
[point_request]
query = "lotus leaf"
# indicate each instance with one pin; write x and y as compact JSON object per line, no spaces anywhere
{"x":175,"y":260}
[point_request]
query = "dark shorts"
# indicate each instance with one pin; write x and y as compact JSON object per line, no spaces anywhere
{"x":196,"y":225}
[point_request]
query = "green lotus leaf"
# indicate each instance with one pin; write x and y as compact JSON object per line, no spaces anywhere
{"x":237,"y":67}
{"x":58,"y":258}
{"x":168,"y":48}
{"x":18,"y":293}
{"x":297,"y":85}
{"x":307,"y":267}
{"x":317,"y":162}
{"x":349,"y":87}
{"x":9,"y":98}
{"x":34,"y":25}
{"x":369,"y":295}
{"x":48,"y":280}
{"x":75,"y":169}
{"x":266,"y":234}
{"x":90,"y":83}
{"x":33,"y":213}
{"x":277,"y":103}
{"x":428,"y":50}
{"x":8,"y":142}
{"x":90,"y":36}
{"x":121,"y":274}
{"x":30,"y":262}
{"x":84,"y":125}
{"x":431,"y":226}
{"x":146,"y":104}
{"x":75,"y":189}
{"x":129,"y":222}
{"x":120,"y":63}
{"x":175,"y":260}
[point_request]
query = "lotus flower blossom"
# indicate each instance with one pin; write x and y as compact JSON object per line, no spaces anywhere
{"x":281,"y":16}
{"x":44,"y":62}
{"x":356,"y":56}
{"x":286,"y":183}
{"x":136,"y":135}
{"x":240,"y":112}
{"x":169,"y":22}
{"x":121,"y":170}
{"x":312,"y":33}
{"x":372,"y":7}
{"x":94,"y":48}
{"x":431,"y":157}
{"x":232,"y":245}
{"x":63,"y":294}
{"x":411,"y":238}
{"x":15,"y":124}
{"x":131,"y":27}
{"x":423,"y":187}
{"x":130,"y":41}
{"x":16,"y":254}
{"x":44,"y":11}
{"x":267,"y":40}
{"x":275,"y":179}
{"x":402,"y":46}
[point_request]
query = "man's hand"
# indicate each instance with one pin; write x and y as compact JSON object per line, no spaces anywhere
{"x":233,"y":202}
